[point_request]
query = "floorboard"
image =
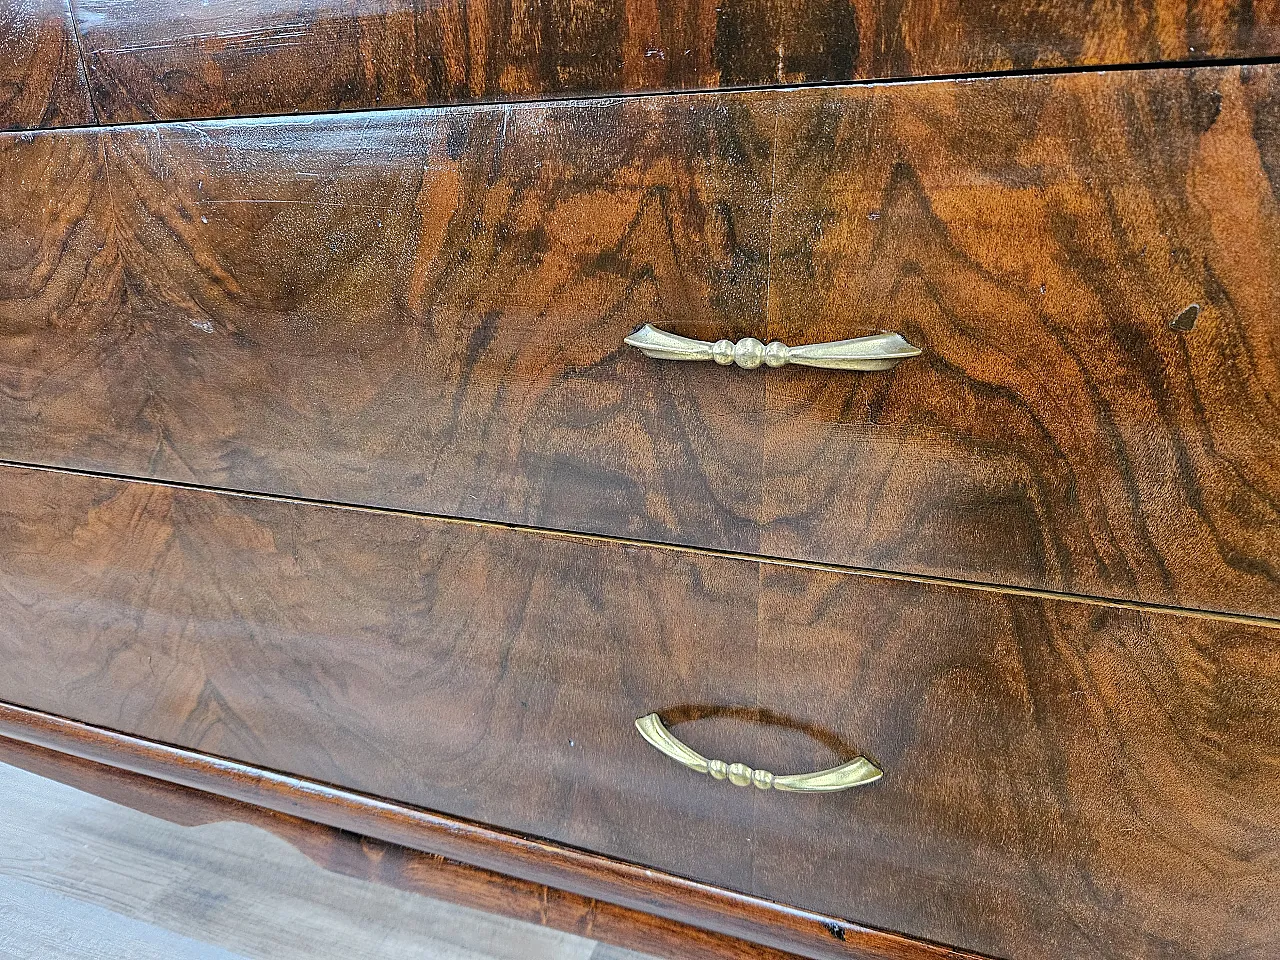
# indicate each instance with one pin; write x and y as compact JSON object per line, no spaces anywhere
{"x":82,"y":878}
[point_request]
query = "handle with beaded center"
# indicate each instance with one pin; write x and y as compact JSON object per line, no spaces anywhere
{"x":856,"y":773}
{"x":879,"y":351}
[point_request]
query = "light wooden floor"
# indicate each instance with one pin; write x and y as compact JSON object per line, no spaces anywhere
{"x":82,"y":878}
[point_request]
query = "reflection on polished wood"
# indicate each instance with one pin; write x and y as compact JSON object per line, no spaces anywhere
{"x":425,"y":310}
{"x":1038,"y":774}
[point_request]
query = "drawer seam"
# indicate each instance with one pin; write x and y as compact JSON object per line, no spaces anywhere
{"x":896,"y":575}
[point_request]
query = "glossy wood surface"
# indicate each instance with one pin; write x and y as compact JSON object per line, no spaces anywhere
{"x":1093,"y":267}
{"x":1062,"y":778}
{"x":425,"y":310}
{"x":151,"y":59}
{"x":640,"y":888}
{"x":42,"y":81}
{"x":144,"y":819}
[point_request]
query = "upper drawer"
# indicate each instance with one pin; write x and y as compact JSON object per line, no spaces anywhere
{"x":155,"y":59}
{"x":1061,"y":779}
{"x":426,"y":310}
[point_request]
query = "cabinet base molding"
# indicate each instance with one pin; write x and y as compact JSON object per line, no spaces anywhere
{"x":390,"y":865}
{"x":578,"y":872}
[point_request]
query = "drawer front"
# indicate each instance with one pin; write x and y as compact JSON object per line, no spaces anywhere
{"x":425,"y":310}
{"x":1061,"y":778}
{"x":152,"y":59}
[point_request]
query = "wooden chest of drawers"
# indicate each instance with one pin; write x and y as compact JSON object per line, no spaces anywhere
{"x":332,"y":484}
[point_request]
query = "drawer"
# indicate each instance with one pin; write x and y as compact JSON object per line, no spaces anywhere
{"x":1062,"y":778}
{"x":151,"y":59}
{"x":426,"y":310}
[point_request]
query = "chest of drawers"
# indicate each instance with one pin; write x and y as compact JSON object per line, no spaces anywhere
{"x":334,"y":481}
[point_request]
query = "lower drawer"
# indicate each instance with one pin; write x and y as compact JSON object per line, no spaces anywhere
{"x":1061,"y":778}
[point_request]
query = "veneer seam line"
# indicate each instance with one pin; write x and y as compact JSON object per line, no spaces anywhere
{"x":83,"y":63}
{"x":814,"y":565}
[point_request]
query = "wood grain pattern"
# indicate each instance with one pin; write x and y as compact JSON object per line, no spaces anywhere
{"x":1063,"y":778}
{"x":425,"y":310}
{"x":641,"y":888}
{"x":42,"y":82}
{"x":1040,"y":239}
{"x":430,"y":281}
{"x":388,"y":865}
{"x":149,"y":59}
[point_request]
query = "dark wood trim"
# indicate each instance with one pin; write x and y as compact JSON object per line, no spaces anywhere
{"x":391,"y":864}
{"x":585,"y":874}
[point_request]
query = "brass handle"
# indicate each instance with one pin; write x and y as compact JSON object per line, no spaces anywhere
{"x":879,"y":351}
{"x":855,"y":773}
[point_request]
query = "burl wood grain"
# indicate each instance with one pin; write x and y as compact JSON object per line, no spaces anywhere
{"x":42,"y":81}
{"x":425,"y":310}
{"x":151,"y":59}
{"x":348,"y":855}
{"x":1074,"y":423}
{"x":1062,"y":778}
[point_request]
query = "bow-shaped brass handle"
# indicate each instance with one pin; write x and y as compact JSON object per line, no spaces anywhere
{"x":879,"y":351}
{"x":855,"y":773}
